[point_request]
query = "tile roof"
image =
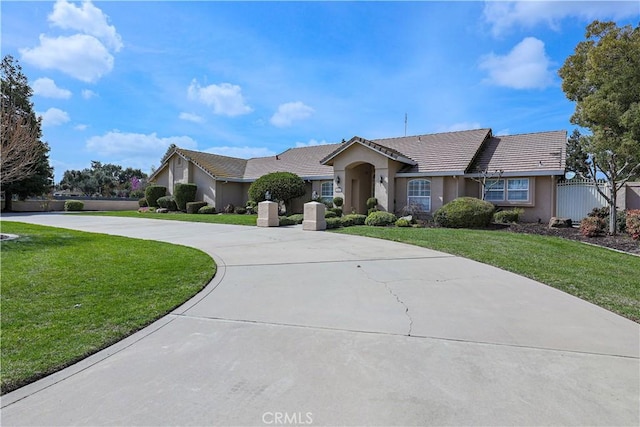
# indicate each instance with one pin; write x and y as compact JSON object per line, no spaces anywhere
{"x":450,"y":152}
{"x":443,"y":153}
{"x":532,"y":152}
{"x":303,"y":161}
{"x":215,"y":164}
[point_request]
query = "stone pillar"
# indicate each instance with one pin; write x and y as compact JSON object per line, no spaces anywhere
{"x":314,"y":217}
{"x":268,"y":214}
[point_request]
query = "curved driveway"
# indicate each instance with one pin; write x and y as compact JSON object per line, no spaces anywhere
{"x":316,"y":328}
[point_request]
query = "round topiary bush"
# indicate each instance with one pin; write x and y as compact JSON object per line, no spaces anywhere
{"x":372,"y":203}
{"x":465,"y":212}
{"x":505,"y":217}
{"x":380,"y":218}
{"x":282,"y":186}
{"x":330,"y":214}
{"x":153,"y":192}
{"x":338,"y":201}
{"x":143,"y":203}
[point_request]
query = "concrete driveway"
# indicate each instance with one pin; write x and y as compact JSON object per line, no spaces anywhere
{"x":315,"y":328}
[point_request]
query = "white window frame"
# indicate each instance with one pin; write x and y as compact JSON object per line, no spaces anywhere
{"x":423,"y":196}
{"x":505,"y":193}
{"x":325,"y":196}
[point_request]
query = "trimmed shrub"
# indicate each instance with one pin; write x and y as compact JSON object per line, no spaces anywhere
{"x":403,"y":223}
{"x":167,"y":202}
{"x":143,"y":203}
{"x":153,"y":192}
{"x":346,"y":222}
{"x":194,"y":207}
{"x":333,"y":223}
{"x":465,"y":212}
{"x":283,"y":221}
{"x":337,"y":211}
{"x":283,"y":186}
{"x":603,"y":212}
{"x":240,"y":210}
{"x":183,"y":194}
{"x":358,"y":219}
{"x":136,"y":194}
{"x":330,"y":214}
{"x":73,"y":205}
{"x":338,"y":201}
{"x":297,"y":218}
{"x":592,"y":226}
{"x":380,"y":219}
{"x":508,"y":216}
{"x":229,"y":208}
{"x":207,"y":210}
{"x":252,"y":207}
{"x":633,"y":223}
{"x":372,"y":203}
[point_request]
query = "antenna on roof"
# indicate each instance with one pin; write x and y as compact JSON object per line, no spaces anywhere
{"x":405,"y":124}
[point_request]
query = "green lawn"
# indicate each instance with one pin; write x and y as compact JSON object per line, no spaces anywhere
{"x":211,"y":219}
{"x":603,"y":277}
{"x":67,"y":294}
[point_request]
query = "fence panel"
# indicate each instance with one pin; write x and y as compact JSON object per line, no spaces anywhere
{"x":576,"y":198}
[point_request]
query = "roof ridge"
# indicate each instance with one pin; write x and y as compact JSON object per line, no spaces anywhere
{"x":531,"y":133}
{"x":430,"y":134}
{"x":211,"y":154}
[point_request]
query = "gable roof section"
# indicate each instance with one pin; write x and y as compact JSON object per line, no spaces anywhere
{"x":531,"y":153}
{"x":381,"y":149}
{"x":216,"y":165}
{"x":303,"y":161}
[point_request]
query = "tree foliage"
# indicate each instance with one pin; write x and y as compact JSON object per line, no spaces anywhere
{"x":283,"y":186}
{"x":24,"y":157}
{"x":603,"y":78}
{"x":103,"y":179}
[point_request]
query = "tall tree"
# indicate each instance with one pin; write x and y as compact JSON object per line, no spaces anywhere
{"x":103,"y":179}
{"x":577,"y":158}
{"x":24,"y":155}
{"x":603,"y":78}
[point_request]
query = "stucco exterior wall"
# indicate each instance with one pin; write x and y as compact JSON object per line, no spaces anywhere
{"x":206,"y":186}
{"x":229,"y":193}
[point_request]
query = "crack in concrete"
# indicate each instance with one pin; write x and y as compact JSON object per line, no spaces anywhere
{"x":393,"y":294}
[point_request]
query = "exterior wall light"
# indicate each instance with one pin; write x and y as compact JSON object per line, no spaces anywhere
{"x":337,"y":179}
{"x":381,"y":179}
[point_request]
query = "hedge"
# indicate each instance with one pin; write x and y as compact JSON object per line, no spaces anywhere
{"x":380,"y":218}
{"x":73,"y":205}
{"x":184,"y":193}
{"x":152,"y":193}
{"x":194,"y":207}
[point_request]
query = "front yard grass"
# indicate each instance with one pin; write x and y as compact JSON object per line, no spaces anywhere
{"x":232,"y":219}
{"x":67,"y":294}
{"x":603,"y":277}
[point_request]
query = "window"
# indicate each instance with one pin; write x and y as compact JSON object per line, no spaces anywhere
{"x":494,"y":190}
{"x":326,"y":191}
{"x":517,"y":190}
{"x":419,"y":194}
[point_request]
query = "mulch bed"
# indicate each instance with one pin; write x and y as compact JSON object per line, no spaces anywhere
{"x":621,"y":242}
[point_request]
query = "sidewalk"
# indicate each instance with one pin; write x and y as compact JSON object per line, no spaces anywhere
{"x":316,"y":328}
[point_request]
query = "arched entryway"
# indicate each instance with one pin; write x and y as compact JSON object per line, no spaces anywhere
{"x":358,"y":186}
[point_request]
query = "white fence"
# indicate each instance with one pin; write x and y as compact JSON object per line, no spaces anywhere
{"x":576,"y":198}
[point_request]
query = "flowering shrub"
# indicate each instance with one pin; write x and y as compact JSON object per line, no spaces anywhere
{"x":592,"y":226}
{"x":633,"y":223}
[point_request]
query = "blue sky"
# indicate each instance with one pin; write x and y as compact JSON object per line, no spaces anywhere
{"x":120,"y":81}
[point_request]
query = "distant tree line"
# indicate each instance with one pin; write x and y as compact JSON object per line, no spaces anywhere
{"x":105,"y":180}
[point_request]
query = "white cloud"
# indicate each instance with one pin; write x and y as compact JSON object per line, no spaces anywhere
{"x":47,"y":88}
{"x":119,"y":143}
{"x":502,"y":16}
{"x":241,"y":152}
{"x":226,"y":99}
{"x":80,"y":127}
{"x":312,"y":142}
{"x":525,"y":67}
{"x":88,"y":94}
{"x":290,"y":112}
{"x":87,"y":19}
{"x":460,"y":126}
{"x":54,"y":117}
{"x":191,"y":117}
{"x":80,"y":56}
